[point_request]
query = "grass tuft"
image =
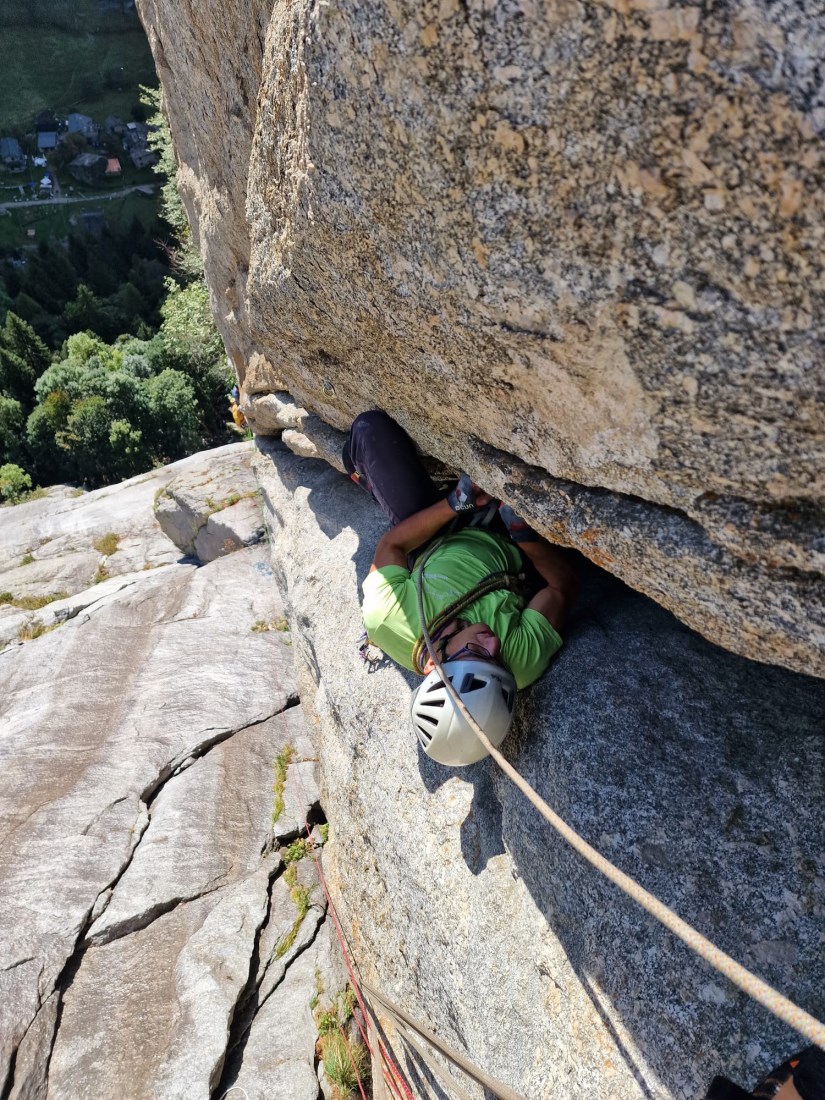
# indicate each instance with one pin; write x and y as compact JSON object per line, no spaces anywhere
{"x":27,"y":559}
{"x":107,"y":544}
{"x":344,"y":1062}
{"x":282,"y":762}
{"x":36,"y":629}
{"x":233,"y":498}
{"x":298,"y":849}
{"x":262,"y":626}
{"x":31,"y":603}
{"x":33,"y":494}
{"x":300,"y":897}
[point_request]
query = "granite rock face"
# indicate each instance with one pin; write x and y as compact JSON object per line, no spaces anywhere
{"x":210,"y":509}
{"x":579,"y":242}
{"x":696,"y":771}
{"x":146,"y":920}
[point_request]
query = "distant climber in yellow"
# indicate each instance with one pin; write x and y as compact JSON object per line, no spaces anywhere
{"x":495,"y":593}
{"x":238,"y":417}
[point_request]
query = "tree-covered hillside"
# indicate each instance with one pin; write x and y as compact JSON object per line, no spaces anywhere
{"x":110,"y":362}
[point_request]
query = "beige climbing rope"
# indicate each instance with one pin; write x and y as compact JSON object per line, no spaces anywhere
{"x":409,"y":1024}
{"x":775,"y":1002}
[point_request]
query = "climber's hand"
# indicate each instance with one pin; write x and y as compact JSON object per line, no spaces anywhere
{"x":467,"y":496}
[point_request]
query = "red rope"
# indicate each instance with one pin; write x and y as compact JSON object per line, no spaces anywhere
{"x":398,"y":1077}
{"x":340,"y":935}
{"x":394,"y":1078}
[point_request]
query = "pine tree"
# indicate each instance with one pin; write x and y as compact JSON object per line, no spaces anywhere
{"x":18,"y":336}
{"x":23,"y":358}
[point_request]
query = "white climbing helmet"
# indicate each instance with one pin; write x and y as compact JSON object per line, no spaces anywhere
{"x":489,"y":693}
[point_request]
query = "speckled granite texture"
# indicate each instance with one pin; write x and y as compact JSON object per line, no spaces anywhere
{"x":697,"y":772}
{"x":575,"y":248}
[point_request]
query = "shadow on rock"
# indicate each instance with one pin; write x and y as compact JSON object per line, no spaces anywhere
{"x":697,"y":772}
{"x":700,"y":774}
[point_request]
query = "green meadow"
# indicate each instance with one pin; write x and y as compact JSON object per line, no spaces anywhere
{"x":93,"y":66}
{"x":57,"y":222}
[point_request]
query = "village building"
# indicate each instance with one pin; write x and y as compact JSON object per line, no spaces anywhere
{"x":82,"y":124}
{"x":143,"y":158}
{"x":11,"y":155}
{"x":88,"y":167}
{"x":135,"y":135}
{"x":46,"y":139}
{"x":113,"y":167}
{"x":113,"y":125}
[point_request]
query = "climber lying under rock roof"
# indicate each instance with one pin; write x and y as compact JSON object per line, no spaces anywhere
{"x":495,"y":594}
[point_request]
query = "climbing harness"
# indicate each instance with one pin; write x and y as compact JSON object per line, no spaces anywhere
{"x":373,"y":657}
{"x":749,"y":983}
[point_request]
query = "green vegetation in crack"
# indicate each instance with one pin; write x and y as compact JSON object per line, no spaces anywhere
{"x":282,"y":762}
{"x":29,"y":631}
{"x":263,"y":626}
{"x":296,"y":851}
{"x":233,"y":498}
{"x":300,"y":896}
{"x":318,"y":991}
{"x":345,"y":1062}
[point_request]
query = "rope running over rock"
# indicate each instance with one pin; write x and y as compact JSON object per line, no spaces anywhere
{"x":775,"y":1002}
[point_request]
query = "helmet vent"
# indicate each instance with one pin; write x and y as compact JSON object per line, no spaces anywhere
{"x":424,"y":737}
{"x":471,"y":683}
{"x":427,"y":718}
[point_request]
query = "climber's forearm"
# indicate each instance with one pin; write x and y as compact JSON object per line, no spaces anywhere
{"x":394,"y":546}
{"x":550,"y":563}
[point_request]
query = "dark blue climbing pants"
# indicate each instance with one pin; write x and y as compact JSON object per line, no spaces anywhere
{"x":388,"y":466}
